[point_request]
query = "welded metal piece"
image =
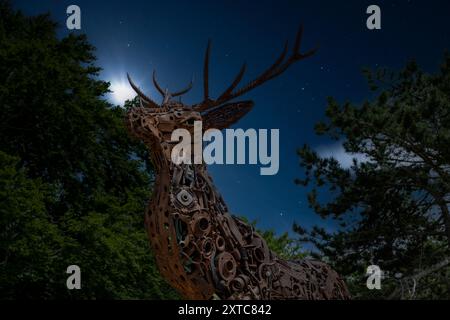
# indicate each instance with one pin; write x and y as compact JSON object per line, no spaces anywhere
{"x":184,"y":197}
{"x":200,"y":248}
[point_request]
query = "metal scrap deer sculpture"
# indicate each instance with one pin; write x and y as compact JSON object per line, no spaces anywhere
{"x":200,"y":248}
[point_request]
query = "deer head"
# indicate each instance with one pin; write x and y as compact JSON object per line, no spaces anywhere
{"x":154,"y":123}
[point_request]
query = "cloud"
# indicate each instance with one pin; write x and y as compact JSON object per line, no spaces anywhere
{"x":338,"y":152}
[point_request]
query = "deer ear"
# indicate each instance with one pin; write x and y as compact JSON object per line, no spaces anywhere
{"x":224,"y":116}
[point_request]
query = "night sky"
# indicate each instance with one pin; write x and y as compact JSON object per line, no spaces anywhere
{"x":171,"y":36}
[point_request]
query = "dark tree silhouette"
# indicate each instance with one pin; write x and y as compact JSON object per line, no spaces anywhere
{"x":73,"y":185}
{"x":393,"y":207}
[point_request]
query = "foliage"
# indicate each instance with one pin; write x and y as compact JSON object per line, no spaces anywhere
{"x":393,"y":206}
{"x":283,"y":245}
{"x":73,"y":184}
{"x":30,"y":242}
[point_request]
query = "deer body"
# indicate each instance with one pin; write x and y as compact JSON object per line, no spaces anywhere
{"x":200,"y":248}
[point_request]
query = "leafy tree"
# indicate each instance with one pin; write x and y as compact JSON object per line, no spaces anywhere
{"x":393,"y":207}
{"x":30,"y":242}
{"x":73,"y":185}
{"x":283,"y":245}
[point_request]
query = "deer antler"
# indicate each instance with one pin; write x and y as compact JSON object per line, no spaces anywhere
{"x":175,"y":94}
{"x":155,"y":83}
{"x":206,"y":73}
{"x":143,"y":98}
{"x":273,"y":71}
{"x":181,"y":92}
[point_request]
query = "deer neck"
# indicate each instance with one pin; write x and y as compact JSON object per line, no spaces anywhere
{"x":198,"y":245}
{"x":182,"y":221}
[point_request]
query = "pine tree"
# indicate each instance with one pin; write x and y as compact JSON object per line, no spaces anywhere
{"x":393,"y":206}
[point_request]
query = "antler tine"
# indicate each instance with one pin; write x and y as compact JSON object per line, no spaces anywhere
{"x":141,"y":94}
{"x":298,"y":41}
{"x":296,"y":55}
{"x":263,"y":77}
{"x":211,"y":103}
{"x":206,"y":72}
{"x":233,"y":85}
{"x":181,"y":92}
{"x":155,"y":83}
